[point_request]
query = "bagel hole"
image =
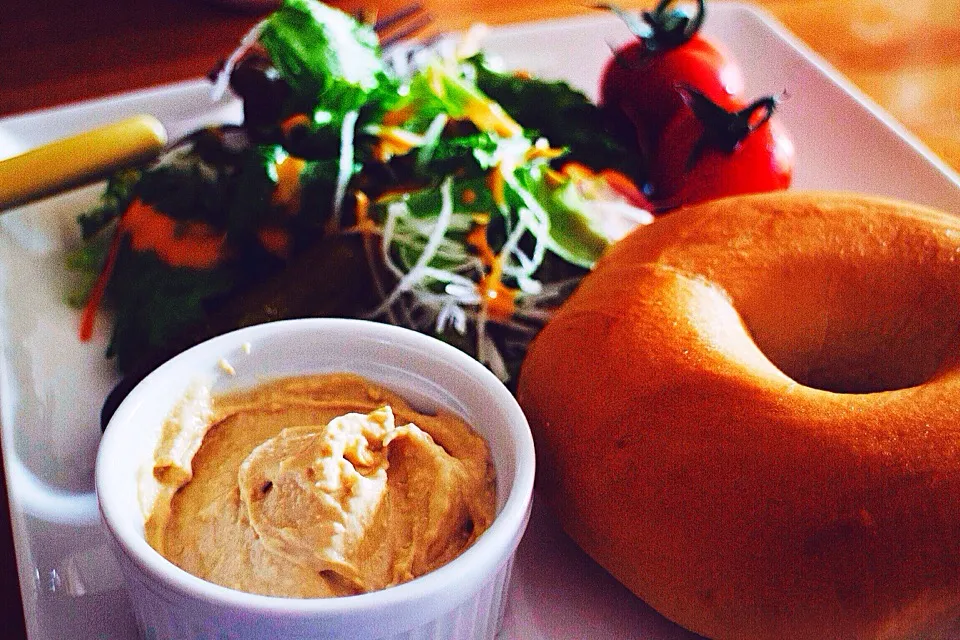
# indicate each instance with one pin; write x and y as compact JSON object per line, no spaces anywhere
{"x":853,"y":329}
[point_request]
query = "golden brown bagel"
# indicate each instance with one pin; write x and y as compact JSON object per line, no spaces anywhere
{"x":749,"y":413}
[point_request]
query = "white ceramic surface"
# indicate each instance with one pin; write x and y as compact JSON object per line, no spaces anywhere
{"x":460,"y":601}
{"x":51,"y":386}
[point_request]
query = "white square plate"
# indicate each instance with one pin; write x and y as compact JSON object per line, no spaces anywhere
{"x":52,"y":386}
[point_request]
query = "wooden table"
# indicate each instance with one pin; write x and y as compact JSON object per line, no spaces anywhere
{"x":905,"y":55}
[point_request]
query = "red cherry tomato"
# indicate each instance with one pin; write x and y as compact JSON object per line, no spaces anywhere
{"x":707,"y":151}
{"x":641,"y":80}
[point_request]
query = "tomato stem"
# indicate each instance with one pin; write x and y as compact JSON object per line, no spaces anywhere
{"x":723,"y":129}
{"x":672,"y":27}
{"x":662,"y":29}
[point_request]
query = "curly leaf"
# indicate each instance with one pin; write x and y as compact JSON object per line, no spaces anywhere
{"x":330,"y":60}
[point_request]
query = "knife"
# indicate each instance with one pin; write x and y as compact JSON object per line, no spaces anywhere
{"x":80,"y":159}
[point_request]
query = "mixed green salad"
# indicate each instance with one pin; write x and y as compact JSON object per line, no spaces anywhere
{"x":441,"y":195}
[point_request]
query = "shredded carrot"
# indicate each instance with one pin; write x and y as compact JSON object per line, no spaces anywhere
{"x":542,"y":150}
{"x":276,"y":240}
{"x":287,"y":192}
{"x":496,"y":296}
{"x":179,"y":244}
{"x":555,"y":178}
{"x":468,"y":196}
{"x":477,"y":238}
{"x":577,"y":171}
{"x":88,"y":317}
{"x":499,"y":297}
{"x":398,"y":116}
{"x":364,"y":223}
{"x":490,"y":116}
{"x":394,"y":141}
{"x":495,"y":183}
{"x":293,"y":122}
{"x":626,"y":187}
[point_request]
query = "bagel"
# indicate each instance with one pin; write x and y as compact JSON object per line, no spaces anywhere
{"x":749,"y":414}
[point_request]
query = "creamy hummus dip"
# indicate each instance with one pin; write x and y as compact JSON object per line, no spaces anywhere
{"x":314,"y":486}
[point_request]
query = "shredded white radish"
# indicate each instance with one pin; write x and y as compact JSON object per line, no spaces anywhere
{"x":345,"y":165}
{"x":533,"y":217}
{"x":223,"y":78}
{"x":451,"y":314}
{"x":529,"y":286}
{"x":513,"y":239}
{"x":439,"y":231}
{"x":466,"y":293}
{"x":430,"y":139}
{"x":394,"y":211}
{"x":441,"y":275}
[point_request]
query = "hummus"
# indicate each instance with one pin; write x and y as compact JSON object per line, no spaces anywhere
{"x":314,"y":486}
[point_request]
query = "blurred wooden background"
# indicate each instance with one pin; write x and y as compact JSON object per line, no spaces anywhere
{"x":905,"y":55}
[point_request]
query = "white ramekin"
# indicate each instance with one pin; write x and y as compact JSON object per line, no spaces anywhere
{"x":461,"y":600}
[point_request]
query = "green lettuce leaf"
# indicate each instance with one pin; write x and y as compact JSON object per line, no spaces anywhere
{"x":563,"y":115}
{"x":573,"y":235}
{"x":250,"y":203}
{"x":184,"y":191}
{"x":155,"y":303}
{"x":331,"y":61}
{"x":114,"y":200}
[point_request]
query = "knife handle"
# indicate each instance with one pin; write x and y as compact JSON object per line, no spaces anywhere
{"x":80,"y":159}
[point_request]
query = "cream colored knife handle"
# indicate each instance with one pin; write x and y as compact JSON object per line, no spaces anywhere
{"x":80,"y":159}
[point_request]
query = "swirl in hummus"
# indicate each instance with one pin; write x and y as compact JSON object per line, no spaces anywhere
{"x":314,"y":486}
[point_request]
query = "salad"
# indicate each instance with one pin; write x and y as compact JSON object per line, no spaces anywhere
{"x":421,"y":187}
